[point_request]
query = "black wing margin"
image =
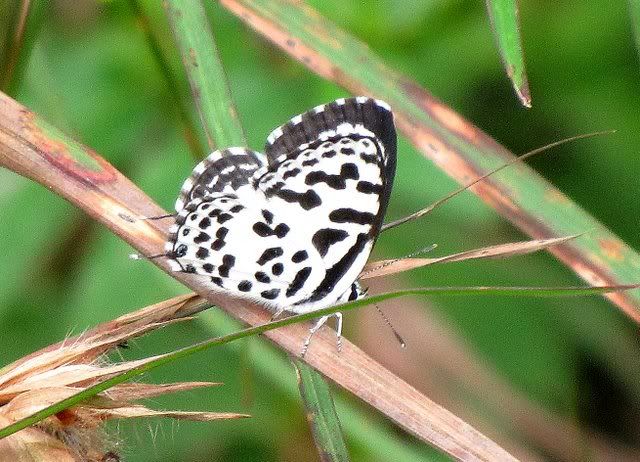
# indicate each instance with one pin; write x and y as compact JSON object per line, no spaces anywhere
{"x":305,"y":131}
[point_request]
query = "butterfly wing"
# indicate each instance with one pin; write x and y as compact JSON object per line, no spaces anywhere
{"x":223,"y":172}
{"x":333,"y":168}
{"x":296,"y":231}
{"x":357,"y":121}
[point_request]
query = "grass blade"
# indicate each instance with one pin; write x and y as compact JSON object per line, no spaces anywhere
{"x":511,"y":249}
{"x":321,"y":413}
{"x":22,"y":21}
{"x":184,"y":118}
{"x":506,"y":28}
{"x":455,"y":145}
{"x":634,"y":14}
{"x":206,"y":74}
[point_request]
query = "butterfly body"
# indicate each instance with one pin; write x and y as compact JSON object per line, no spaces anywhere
{"x":292,"y":228}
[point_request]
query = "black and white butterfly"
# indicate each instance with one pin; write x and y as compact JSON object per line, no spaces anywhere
{"x":291,"y":228}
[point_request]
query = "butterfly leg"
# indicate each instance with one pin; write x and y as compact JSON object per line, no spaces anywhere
{"x":319,"y":323}
{"x":338,"y":331}
{"x":277,"y":314}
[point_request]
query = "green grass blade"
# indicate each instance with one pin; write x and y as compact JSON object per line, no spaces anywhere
{"x":161,"y":360}
{"x":506,"y":28}
{"x":455,"y":145}
{"x":189,"y":131}
{"x":20,"y":21}
{"x":634,"y":14}
{"x":206,"y":75}
{"x":321,"y":413}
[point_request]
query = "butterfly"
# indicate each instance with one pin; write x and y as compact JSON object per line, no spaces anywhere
{"x":293,"y":227}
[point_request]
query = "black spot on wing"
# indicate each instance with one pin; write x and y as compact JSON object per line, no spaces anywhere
{"x":299,"y":256}
{"x":268,"y":216}
{"x":367,"y":187}
{"x":208,"y":268}
{"x":202,"y":253}
{"x":244,"y":286}
{"x":298,"y":281}
{"x":201,"y":237}
{"x":227,"y":263}
{"x":309,"y":162}
{"x":270,"y":294}
{"x":325,"y":238}
{"x":281,"y":230}
{"x":307,"y":200}
{"x":291,"y":173}
{"x":180,"y":251}
{"x":348,"y":215}
{"x":224,"y":217}
{"x":269,"y":254}
{"x":369,"y":158}
{"x":262,"y":277}
{"x":347,"y":172}
{"x":277,"y":269}
{"x":262,"y":229}
{"x":205,"y":223}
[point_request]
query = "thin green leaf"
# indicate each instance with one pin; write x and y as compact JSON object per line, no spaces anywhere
{"x":186,"y":123}
{"x":206,"y":75}
{"x":21,"y":22}
{"x":160,"y":360}
{"x":634,"y":14}
{"x":321,"y":413}
{"x":506,"y":28}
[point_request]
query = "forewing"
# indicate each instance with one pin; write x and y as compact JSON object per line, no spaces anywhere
{"x":332,"y":169}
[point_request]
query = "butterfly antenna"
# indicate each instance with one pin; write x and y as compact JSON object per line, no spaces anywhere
{"x":401,"y":341}
{"x":521,"y":158}
{"x":429,"y":248}
{"x":137,"y":256}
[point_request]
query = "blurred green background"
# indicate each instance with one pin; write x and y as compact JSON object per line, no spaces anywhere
{"x":528,"y":373}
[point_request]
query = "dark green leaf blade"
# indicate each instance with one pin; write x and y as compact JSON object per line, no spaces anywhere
{"x":206,"y":73}
{"x":506,"y":29}
{"x":321,"y":413}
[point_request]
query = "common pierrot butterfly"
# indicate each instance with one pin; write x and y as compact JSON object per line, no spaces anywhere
{"x":291,"y":228}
